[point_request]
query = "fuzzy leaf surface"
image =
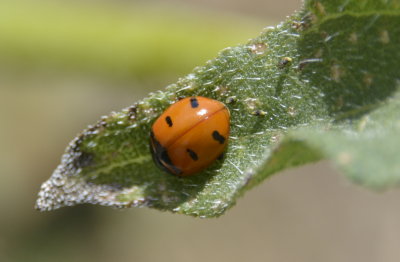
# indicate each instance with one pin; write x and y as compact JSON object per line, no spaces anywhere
{"x":323,"y":84}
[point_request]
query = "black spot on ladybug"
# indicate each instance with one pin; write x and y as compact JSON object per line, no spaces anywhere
{"x":192,"y":154}
{"x":217,"y":136}
{"x":193,"y":102}
{"x":161,"y":157}
{"x":169,"y":121}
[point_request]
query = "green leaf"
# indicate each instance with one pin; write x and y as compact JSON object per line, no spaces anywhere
{"x":323,"y":84}
{"x":366,"y":149}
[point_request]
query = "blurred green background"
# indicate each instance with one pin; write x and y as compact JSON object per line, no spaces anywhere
{"x":63,"y":64}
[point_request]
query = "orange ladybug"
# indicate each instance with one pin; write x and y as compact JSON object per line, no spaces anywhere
{"x":190,"y":135}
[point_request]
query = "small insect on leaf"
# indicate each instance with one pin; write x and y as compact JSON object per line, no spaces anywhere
{"x":190,"y":135}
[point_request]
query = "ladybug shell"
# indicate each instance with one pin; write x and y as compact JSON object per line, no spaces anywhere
{"x":190,"y":135}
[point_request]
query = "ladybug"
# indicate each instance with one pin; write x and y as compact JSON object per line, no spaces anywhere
{"x":190,"y":135}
